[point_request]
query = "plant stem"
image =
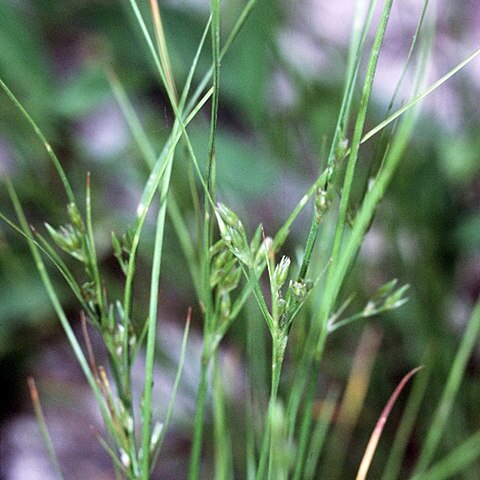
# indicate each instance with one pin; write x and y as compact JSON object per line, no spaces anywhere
{"x":194,"y":468}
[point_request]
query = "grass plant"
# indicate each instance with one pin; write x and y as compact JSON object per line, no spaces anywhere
{"x":236,"y":274}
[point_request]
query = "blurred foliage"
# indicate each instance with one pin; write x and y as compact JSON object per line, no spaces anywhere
{"x":54,"y":56}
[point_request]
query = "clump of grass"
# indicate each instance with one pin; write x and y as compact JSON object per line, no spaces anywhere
{"x":283,"y":437}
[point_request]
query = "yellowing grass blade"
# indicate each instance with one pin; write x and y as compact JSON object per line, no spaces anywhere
{"x":377,"y":432}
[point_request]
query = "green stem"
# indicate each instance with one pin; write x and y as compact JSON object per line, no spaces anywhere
{"x":278,"y":350}
{"x":352,"y":160}
{"x":152,"y":329}
{"x":223,"y":446}
{"x":305,"y":429}
{"x":194,"y":468}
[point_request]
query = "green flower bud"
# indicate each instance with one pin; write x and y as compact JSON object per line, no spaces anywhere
{"x":233,"y":233}
{"x":69,"y":240}
{"x":75,"y":217}
{"x":281,"y":272}
{"x":230,"y":281}
{"x":300,"y":289}
{"x":225,"y":305}
{"x":228,"y":216}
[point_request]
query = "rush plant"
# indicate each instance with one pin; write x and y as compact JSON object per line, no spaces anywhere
{"x":287,"y":304}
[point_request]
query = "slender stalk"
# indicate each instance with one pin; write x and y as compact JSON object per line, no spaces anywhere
{"x":92,"y":260}
{"x":42,"y":424}
{"x":194,"y":466}
{"x":441,"y":415}
{"x":53,"y":297}
{"x":222,"y":441}
{"x":51,"y":153}
{"x":305,"y":429}
{"x":152,"y":328}
{"x":393,"y":466}
{"x":267,"y":454}
{"x":355,"y":148}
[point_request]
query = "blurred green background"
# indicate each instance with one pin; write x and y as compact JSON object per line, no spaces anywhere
{"x":280,"y":91}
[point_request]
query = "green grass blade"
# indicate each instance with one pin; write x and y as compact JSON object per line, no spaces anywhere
{"x":319,"y":435}
{"x":136,"y":128}
{"x":92,"y":254}
{"x":171,"y":405}
{"x":355,"y":148}
{"x":153,"y":52}
{"x":185,"y":240}
{"x":455,"y":377}
{"x":247,"y":10}
{"x":408,"y":60}
{"x":454,"y":463}
{"x":46,"y":144}
{"x":371,"y":199}
{"x":420,"y":96}
{"x":149,"y":156}
{"x":152,"y":325}
{"x":222,"y":440}
{"x":208,"y":225}
{"x":60,"y":312}
{"x":305,"y":431}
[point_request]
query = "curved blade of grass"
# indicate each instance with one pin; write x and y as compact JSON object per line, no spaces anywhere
{"x":161,"y":172}
{"x":381,"y":142}
{"x":53,"y":157}
{"x":377,"y":432}
{"x":455,"y":377}
{"x":397,"y":452}
{"x":353,"y":401}
{"x":141,"y":137}
{"x":177,"y":109}
{"x":42,"y":424}
{"x":455,"y":462}
{"x":419,"y":97}
{"x":158,"y":170}
{"x":150,"y":157}
{"x":162,"y":165}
